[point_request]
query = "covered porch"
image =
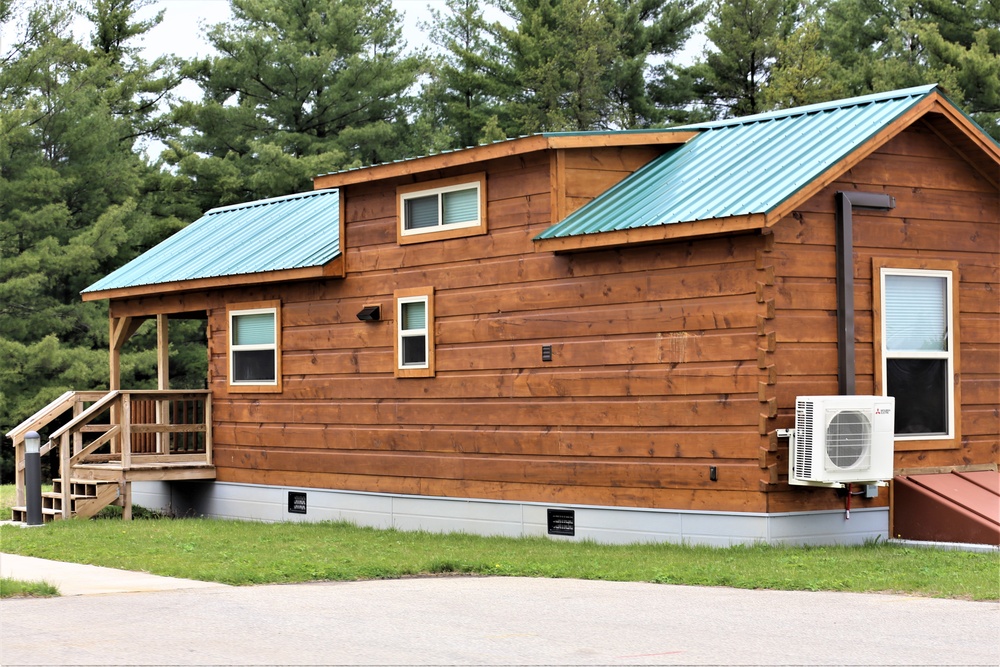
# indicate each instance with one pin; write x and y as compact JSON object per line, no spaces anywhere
{"x":109,"y":439}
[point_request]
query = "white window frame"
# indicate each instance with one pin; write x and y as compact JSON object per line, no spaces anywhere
{"x":273,"y":384}
{"x":948,"y":354}
{"x":439,"y":192}
{"x":412,"y":333}
{"x":438,"y":188}
{"x":402,"y":297}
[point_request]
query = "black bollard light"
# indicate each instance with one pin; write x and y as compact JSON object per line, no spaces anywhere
{"x":33,"y":477}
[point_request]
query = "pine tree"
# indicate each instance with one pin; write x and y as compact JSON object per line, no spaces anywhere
{"x":647,"y":30}
{"x":463,"y":94}
{"x":77,"y":199}
{"x":298,"y":89}
{"x":746,"y":36}
{"x":885,"y":44}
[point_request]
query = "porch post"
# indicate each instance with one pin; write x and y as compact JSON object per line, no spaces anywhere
{"x":162,"y":380}
{"x":116,"y":339}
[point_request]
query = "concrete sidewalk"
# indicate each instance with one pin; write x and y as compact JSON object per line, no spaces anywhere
{"x":75,"y":579}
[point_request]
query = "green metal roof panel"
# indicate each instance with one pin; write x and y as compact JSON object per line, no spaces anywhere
{"x":293,"y":232}
{"x":738,"y":167}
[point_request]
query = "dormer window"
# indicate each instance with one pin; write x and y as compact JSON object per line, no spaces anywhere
{"x":442,"y":209}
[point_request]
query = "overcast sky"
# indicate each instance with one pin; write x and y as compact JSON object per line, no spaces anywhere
{"x":182,"y":30}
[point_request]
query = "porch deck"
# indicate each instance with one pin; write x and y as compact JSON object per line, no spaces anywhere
{"x":113,"y":439}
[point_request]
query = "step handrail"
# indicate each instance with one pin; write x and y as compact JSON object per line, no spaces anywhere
{"x":43,"y":416}
{"x":40,"y":419}
{"x":84,"y":417}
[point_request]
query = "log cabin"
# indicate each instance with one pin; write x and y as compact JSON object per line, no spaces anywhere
{"x":589,"y":335}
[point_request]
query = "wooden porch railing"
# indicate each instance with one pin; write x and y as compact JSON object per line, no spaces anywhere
{"x":120,"y":428}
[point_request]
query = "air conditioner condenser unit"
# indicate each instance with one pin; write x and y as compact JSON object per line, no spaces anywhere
{"x":841,"y":439}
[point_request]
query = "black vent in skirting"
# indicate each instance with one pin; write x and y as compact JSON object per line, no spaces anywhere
{"x":562,"y":522}
{"x":296,"y":502}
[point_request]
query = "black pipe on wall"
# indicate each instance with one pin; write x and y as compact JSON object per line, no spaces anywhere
{"x":846,"y":203}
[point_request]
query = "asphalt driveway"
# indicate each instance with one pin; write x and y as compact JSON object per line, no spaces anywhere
{"x":486,"y":621}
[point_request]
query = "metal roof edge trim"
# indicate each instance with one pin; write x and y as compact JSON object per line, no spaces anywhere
{"x":312,"y":272}
{"x":271,"y":200}
{"x":522,"y":138}
{"x":915,"y":91}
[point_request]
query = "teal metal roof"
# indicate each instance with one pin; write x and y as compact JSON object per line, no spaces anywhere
{"x":293,"y":232}
{"x":743,"y":166}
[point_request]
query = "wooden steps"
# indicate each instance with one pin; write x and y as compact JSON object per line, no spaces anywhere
{"x":87,"y":498}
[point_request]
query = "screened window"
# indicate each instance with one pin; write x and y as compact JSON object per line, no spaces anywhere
{"x":918,"y":350}
{"x":253,"y":347}
{"x":446,"y":208}
{"x":414,"y":333}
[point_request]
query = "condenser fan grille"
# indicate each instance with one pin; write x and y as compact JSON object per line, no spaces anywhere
{"x":804,"y":440}
{"x":848,"y":439}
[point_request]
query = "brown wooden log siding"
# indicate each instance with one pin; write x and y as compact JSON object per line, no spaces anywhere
{"x":944,"y":210}
{"x":654,"y":373}
{"x":666,"y":358}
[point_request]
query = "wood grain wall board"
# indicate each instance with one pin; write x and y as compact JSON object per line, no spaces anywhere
{"x":802,"y":499}
{"x":578,"y":471}
{"x":666,"y":256}
{"x":683,"y":499}
{"x":815,"y":326}
{"x":704,"y":443}
{"x":531,"y":210}
{"x":642,"y":412}
{"x":588,"y":183}
{"x":809,"y":294}
{"x":916,"y":171}
{"x":980,"y":420}
{"x":978,"y":328}
{"x":816,"y":359}
{"x":524,"y":383}
{"x":980,"y":357}
{"x":976,"y":448}
{"x":922,"y":234}
{"x":627,"y":159}
{"x":727,"y":312}
{"x":652,"y":348}
{"x":927,"y":204}
{"x":584,"y":292}
{"x":919,"y":140}
{"x":980,"y":298}
{"x":981,"y":388}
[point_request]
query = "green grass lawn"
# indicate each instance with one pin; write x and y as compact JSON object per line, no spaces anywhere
{"x":237,"y":552}
{"x":15,"y":588}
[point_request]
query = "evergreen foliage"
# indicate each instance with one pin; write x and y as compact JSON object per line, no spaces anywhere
{"x":298,"y":88}
{"x":78,"y":198}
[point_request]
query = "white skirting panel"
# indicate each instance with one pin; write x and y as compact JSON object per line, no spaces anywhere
{"x":614,"y":525}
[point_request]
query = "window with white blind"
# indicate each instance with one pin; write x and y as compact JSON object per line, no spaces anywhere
{"x":414,"y":332}
{"x":446,"y":208}
{"x":918,"y":350}
{"x":254,"y":339}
